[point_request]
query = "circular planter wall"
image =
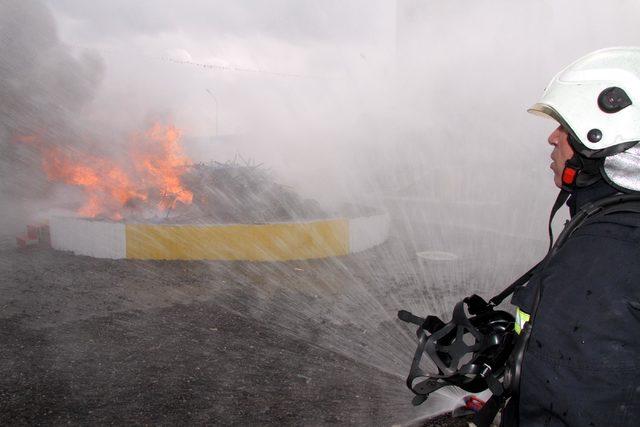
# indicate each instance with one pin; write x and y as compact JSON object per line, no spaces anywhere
{"x":250,"y":242}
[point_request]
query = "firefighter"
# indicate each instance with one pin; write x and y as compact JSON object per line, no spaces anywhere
{"x":581,"y":363}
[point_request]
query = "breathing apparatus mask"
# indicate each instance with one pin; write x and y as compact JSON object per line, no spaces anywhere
{"x":470,"y":351}
{"x":597,"y":101}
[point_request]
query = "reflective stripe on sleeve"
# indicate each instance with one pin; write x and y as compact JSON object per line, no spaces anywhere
{"x":521,"y":319}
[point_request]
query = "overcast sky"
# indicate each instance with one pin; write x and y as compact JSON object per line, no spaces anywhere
{"x":235,"y":32}
{"x":294,"y":20}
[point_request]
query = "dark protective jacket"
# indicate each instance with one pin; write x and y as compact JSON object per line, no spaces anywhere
{"x":582,"y":364}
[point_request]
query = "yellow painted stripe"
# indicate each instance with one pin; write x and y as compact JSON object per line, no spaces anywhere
{"x":260,"y":242}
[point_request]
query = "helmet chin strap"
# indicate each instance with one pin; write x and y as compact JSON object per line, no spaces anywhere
{"x":562,"y":197}
{"x":580,"y":171}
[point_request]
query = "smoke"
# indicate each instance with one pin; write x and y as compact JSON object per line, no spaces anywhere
{"x":414,"y":106}
{"x":417,"y":107}
{"x":44,"y":88}
{"x":406,"y":105}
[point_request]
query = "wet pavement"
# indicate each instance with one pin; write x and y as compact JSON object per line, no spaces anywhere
{"x":89,"y":341}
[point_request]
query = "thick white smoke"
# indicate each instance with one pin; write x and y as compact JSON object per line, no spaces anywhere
{"x":45,"y":89}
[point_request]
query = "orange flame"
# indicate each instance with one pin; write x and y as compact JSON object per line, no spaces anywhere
{"x":158,"y":163}
{"x":159,"y":159}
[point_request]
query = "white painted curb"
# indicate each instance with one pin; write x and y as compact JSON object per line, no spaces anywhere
{"x":367,"y":232}
{"x":98,"y":239}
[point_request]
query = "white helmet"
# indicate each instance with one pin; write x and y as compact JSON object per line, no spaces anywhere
{"x":597,"y":100}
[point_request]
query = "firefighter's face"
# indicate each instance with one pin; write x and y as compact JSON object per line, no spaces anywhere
{"x":562,"y":152}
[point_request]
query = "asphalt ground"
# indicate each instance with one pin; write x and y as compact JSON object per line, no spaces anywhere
{"x":89,"y":341}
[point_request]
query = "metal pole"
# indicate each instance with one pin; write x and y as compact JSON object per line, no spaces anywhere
{"x":216,"y":100}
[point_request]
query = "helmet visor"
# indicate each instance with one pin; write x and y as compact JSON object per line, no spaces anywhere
{"x":549,"y":112}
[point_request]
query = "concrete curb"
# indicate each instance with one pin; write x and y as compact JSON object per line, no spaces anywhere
{"x":247,"y":242}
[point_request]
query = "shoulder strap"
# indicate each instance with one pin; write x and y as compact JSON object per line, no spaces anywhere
{"x":591,"y":211}
{"x":496,"y":300}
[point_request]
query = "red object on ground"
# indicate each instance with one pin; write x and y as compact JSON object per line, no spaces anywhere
{"x":32,"y":232}
{"x":24,"y":241}
{"x":36,"y":234}
{"x":473,"y":403}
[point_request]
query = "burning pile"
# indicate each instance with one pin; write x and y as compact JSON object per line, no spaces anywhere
{"x":146,"y":183}
{"x":157,"y":182}
{"x":242,"y":193}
